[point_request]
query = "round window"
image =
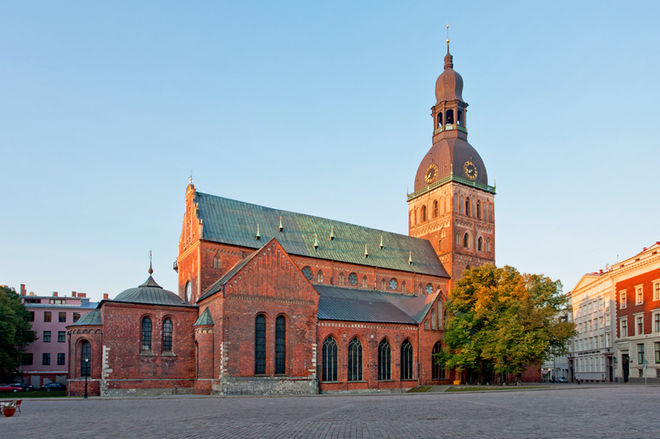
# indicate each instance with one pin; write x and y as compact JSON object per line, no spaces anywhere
{"x":394,"y":284}
{"x":352,"y":279}
{"x":308,"y":272}
{"x":429,"y":289}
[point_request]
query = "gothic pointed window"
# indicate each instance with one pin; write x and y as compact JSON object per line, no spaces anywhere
{"x":355,"y":360}
{"x":216,"y":261}
{"x":319,"y":276}
{"x":260,"y":345}
{"x":384,"y":360}
{"x":480,"y":243}
{"x":423,"y":213}
{"x":280,"y":345}
{"x":466,"y":241}
{"x":406,"y":360}
{"x":438,"y":369}
{"x":433,"y":321}
{"x":364,"y":282}
{"x":461,"y":205}
{"x":403,"y":287}
{"x":85,"y":354}
{"x":329,"y":364}
{"x":341,"y":278}
{"x":167,"y":335}
{"x":478,"y":209}
{"x":467,"y":206}
{"x":146,"y":334}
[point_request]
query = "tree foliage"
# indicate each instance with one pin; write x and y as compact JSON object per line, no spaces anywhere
{"x":504,"y":320}
{"x":15,"y":331}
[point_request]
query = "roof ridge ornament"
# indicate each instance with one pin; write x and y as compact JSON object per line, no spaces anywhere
{"x":410,"y":261}
{"x":258,"y":235}
{"x":281,"y":228}
{"x":332,"y":233}
{"x":316,"y":242}
{"x":381,"y":242}
{"x":151,"y":270}
{"x":366,"y":252}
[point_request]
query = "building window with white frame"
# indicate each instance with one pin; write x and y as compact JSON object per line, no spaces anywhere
{"x":639,"y":295}
{"x":656,"y":322}
{"x":656,"y":290}
{"x":639,"y":324}
{"x":640,"y":353}
{"x":657,"y":352}
{"x":622,"y":299}
{"x":624,"y":327}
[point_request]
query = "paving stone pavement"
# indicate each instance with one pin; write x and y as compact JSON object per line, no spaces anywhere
{"x":606,"y":411}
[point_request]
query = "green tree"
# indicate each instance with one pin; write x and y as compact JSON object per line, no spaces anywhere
{"x":15,"y":331}
{"x":502,"y":320}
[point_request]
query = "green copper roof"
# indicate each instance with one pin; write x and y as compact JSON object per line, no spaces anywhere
{"x":234,"y":222}
{"x":91,"y":318}
{"x":205,"y":319}
{"x":150,"y":293}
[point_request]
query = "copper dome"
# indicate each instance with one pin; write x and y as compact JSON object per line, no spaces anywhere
{"x":449,"y":86}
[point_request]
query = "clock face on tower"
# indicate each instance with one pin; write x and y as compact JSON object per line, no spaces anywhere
{"x":470,"y":170}
{"x":431,"y":173}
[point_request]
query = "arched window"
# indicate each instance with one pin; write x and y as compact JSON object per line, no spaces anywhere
{"x":384,"y":360}
{"x":260,"y":345}
{"x":433,"y":322}
{"x":440,"y":314}
{"x":167,"y":335}
{"x":406,"y":360}
{"x":438,"y":369}
{"x":341,"y":278}
{"x":435,"y":209}
{"x":466,"y":240}
{"x":487,"y":244}
{"x":280,"y":345}
{"x":478,"y":209}
{"x":439,"y":120}
{"x":355,"y":360}
{"x":449,"y":119}
{"x":461,"y":205}
{"x":403,"y":287}
{"x":423,"y":213}
{"x":480,"y":243}
{"x":329,"y":365}
{"x":364,"y":282}
{"x":383,"y":284}
{"x":85,"y":354}
{"x":216,"y":261}
{"x":146,"y":334}
{"x":419,"y":289}
{"x":467,"y":206}
{"x":319,"y":276}
{"x":459,"y":119}
{"x":490,"y":213}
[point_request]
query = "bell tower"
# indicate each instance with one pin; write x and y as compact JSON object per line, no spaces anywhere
{"x":453,"y":205}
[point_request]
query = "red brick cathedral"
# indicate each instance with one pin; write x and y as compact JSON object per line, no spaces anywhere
{"x":276,"y":302}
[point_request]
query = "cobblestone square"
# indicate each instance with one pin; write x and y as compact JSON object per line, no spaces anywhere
{"x":564,"y":411}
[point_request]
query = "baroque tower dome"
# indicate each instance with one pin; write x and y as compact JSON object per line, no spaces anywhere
{"x":451,"y":157}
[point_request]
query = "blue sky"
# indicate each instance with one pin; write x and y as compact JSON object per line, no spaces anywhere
{"x":320,"y":108}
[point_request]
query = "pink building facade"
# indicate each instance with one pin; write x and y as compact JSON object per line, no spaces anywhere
{"x":45,"y":360}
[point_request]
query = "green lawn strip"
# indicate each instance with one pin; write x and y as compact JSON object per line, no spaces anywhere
{"x":32,"y":394}
{"x":419,"y":389}
{"x":481,"y":389}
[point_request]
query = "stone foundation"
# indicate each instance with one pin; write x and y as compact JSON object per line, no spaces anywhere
{"x":265,"y":386}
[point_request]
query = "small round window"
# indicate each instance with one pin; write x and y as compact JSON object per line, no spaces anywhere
{"x":308,"y":272}
{"x":429,"y":289}
{"x":394,"y":284}
{"x":352,"y":279}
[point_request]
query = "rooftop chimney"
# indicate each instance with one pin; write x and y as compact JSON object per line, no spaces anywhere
{"x":73,"y":294}
{"x":105,"y":296}
{"x":601,"y":271}
{"x":82,"y":294}
{"x":23,"y":292}
{"x":54,"y":293}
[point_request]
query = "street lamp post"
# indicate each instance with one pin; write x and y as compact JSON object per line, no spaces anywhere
{"x":86,"y":374}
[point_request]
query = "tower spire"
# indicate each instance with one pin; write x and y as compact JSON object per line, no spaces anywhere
{"x":449,"y":60}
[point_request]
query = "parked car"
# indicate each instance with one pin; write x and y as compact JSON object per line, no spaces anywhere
{"x":10,"y":388}
{"x":562,"y":380}
{"x":25,"y":387}
{"x":53,"y":386}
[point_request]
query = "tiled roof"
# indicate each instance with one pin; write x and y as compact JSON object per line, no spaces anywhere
{"x":354,"y":305}
{"x":91,"y":318}
{"x":234,"y":222}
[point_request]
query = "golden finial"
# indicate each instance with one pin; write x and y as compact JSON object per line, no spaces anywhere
{"x":151,"y":255}
{"x":447,"y":33}
{"x":191,"y":182}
